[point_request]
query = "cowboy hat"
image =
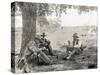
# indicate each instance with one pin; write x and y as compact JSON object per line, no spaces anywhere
{"x":43,"y":34}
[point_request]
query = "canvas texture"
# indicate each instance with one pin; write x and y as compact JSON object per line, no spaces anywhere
{"x":53,"y":37}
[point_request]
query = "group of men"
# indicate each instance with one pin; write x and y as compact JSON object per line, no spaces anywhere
{"x":34,"y":50}
{"x":70,"y":49}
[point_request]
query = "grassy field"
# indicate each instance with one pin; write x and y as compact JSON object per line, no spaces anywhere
{"x":86,"y":60}
{"x":58,"y":38}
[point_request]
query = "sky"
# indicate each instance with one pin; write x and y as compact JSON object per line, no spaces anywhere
{"x":72,"y":18}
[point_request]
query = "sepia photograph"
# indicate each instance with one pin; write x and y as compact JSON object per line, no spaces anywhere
{"x":53,"y":37}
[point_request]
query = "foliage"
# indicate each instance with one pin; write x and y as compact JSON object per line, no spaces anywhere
{"x":44,"y":9}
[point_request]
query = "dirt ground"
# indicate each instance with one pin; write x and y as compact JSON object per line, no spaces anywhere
{"x":86,"y":60}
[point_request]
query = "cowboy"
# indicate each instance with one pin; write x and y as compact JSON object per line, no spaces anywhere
{"x":76,"y":46}
{"x":75,"y":39}
{"x":45,"y":43}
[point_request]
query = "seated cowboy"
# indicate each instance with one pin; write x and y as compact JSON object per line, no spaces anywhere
{"x":44,"y":43}
{"x":76,"y":48}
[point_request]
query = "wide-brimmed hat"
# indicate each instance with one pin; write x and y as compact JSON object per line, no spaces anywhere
{"x":75,"y":35}
{"x":43,"y":35}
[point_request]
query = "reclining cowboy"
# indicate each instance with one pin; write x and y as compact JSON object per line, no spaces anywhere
{"x":44,"y":43}
{"x":75,"y":48}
